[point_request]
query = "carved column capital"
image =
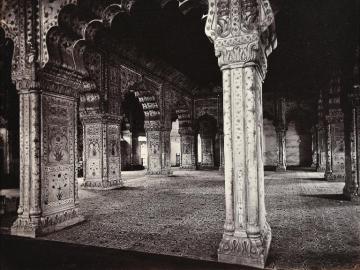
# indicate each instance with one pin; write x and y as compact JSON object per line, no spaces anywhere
{"x":240,"y":32}
{"x":354,"y":97}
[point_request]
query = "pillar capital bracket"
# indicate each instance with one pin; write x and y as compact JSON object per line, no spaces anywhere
{"x":354,"y":97}
{"x":241,"y":32}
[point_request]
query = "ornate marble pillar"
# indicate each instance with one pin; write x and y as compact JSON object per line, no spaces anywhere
{"x":281,"y":141}
{"x":352,"y":150}
{"x":221,"y":142}
{"x":321,"y":136}
{"x":158,"y":148}
{"x":187,"y":148}
{"x":321,"y":148}
{"x":314,"y":147}
{"x":207,"y":151}
{"x":242,"y":40}
{"x":328,"y":169}
{"x":335,"y":165}
{"x":126,"y":149}
{"x":102,"y":153}
{"x":281,"y":133}
{"x":48,"y":146}
{"x":135,"y":150}
{"x":352,"y":137}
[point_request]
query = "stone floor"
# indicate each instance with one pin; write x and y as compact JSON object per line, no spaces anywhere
{"x":313,"y":227}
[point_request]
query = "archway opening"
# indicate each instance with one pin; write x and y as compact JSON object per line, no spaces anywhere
{"x":133,"y":142}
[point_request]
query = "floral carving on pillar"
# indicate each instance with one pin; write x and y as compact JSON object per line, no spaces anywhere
{"x":243,"y":36}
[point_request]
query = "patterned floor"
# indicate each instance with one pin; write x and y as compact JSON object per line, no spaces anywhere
{"x":183,"y":215}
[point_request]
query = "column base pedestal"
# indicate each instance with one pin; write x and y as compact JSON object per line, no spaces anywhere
{"x":352,"y":195}
{"x":280,"y":169}
{"x":102,"y":185}
{"x":25,"y":226}
{"x":320,"y":169}
{"x":331,"y":177}
{"x":244,"y":250}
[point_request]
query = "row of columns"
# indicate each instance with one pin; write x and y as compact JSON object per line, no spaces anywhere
{"x":102,"y":153}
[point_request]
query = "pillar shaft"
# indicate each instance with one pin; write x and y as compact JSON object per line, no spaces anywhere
{"x":281,"y":141}
{"x":236,"y":28}
{"x":102,"y":153}
{"x":329,"y":161}
{"x":48,"y":187}
{"x":321,"y":148}
{"x":352,"y":152}
{"x":158,"y":148}
{"x":136,"y":150}
{"x":335,"y":165}
{"x":207,"y":151}
{"x":281,"y":133}
{"x":314,"y":147}
{"x":187,"y":148}
{"x":221,"y":143}
{"x":247,"y":235}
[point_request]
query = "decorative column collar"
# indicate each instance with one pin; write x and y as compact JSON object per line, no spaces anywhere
{"x":240,"y":32}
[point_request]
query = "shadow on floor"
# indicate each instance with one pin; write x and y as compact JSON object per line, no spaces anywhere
{"x":130,"y":188}
{"x":334,"y":197}
{"x":44,"y":254}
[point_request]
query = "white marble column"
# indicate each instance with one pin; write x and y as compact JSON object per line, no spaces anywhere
{"x":102,"y":153}
{"x":48,"y":146}
{"x":221,"y":143}
{"x":352,"y":136}
{"x":321,"y":136}
{"x":281,"y":133}
{"x":314,"y":147}
{"x":242,"y":42}
{"x":321,"y":148}
{"x":135,"y":150}
{"x":328,"y":169}
{"x":207,"y":151}
{"x":281,"y":142}
{"x":158,"y":149}
{"x":187,"y":148}
{"x":352,"y":152}
{"x":335,"y":165}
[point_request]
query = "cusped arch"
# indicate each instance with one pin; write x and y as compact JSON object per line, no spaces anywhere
{"x":147,"y":100}
{"x":206,"y":124}
{"x":78,"y":26}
